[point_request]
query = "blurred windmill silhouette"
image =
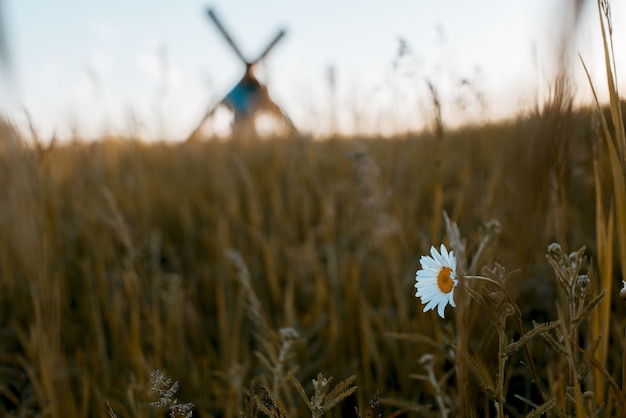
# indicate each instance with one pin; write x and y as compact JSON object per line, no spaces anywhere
{"x":249,"y":96}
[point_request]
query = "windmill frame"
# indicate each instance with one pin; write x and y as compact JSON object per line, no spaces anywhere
{"x":249,"y":96}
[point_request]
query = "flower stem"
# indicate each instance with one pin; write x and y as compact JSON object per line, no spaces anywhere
{"x":623,"y":400}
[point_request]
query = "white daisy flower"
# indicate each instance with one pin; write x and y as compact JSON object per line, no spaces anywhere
{"x":436,"y":280}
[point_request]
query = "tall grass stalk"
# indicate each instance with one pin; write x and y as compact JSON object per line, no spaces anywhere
{"x":615,"y":140}
{"x":438,"y":189}
{"x":602,"y":316}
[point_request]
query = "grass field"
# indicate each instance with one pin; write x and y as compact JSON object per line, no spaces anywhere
{"x":223,"y":263}
{"x":276,"y":277}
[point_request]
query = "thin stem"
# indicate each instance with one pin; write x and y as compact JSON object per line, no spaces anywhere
{"x":501,"y":365}
{"x":495,"y":283}
{"x":520,"y":329}
{"x":463,"y":401}
{"x":572,"y":331}
{"x":623,"y":400}
{"x":428,"y":365}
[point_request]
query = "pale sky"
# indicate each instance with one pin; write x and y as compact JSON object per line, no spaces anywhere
{"x":156,"y":66}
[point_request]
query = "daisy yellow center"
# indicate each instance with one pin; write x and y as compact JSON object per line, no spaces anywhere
{"x":444,"y":281}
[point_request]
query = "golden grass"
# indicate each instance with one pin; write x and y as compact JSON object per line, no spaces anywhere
{"x":614,"y":136}
{"x":120,"y":257}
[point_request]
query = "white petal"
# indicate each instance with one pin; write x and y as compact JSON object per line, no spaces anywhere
{"x":444,"y":252}
{"x":451,"y":299}
{"x":429,"y":285}
{"x":429,"y":263}
{"x":426,"y":273}
{"x":437,"y":256}
{"x":434,"y":253}
{"x":430,"y":305}
{"x":440,"y":311}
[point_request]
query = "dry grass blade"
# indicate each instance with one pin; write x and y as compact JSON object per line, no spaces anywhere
{"x":296,"y":383}
{"x":542,"y":409}
{"x":604,"y":13}
{"x":269,"y":406}
{"x":254,"y":309}
{"x":322,"y":400}
{"x":539,"y":329}
{"x":340,"y":392}
{"x":589,"y":308}
{"x":482,"y":376}
{"x":604,"y":241}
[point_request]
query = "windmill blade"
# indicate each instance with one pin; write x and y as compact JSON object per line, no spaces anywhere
{"x":230,"y":41}
{"x":269,"y":47}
